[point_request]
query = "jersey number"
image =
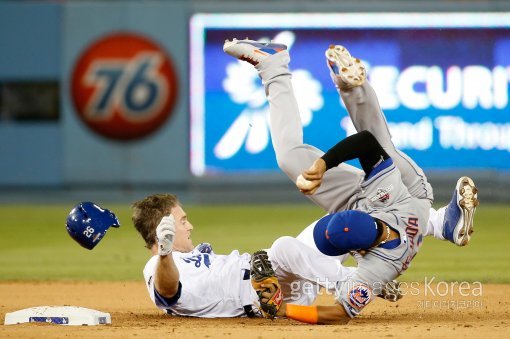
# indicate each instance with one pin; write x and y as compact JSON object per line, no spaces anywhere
{"x":197,"y":259}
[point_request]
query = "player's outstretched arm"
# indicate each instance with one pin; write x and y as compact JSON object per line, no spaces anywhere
{"x":329,"y":315}
{"x":166,"y":277}
{"x":321,"y":315}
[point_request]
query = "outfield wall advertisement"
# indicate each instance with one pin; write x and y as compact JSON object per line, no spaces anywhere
{"x":123,"y":79}
{"x":441,"y":79}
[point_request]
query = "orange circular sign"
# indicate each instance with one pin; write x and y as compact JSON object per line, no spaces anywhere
{"x":124,"y":86}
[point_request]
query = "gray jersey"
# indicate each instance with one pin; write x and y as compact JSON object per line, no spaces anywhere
{"x":384,"y":196}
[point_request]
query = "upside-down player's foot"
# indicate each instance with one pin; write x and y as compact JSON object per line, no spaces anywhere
{"x":458,"y":218}
{"x":346,"y":71}
{"x":252,"y":51}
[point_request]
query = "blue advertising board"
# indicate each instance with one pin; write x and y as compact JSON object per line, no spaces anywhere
{"x":441,"y":79}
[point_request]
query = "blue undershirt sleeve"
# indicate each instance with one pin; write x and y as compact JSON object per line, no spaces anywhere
{"x":167,"y":302}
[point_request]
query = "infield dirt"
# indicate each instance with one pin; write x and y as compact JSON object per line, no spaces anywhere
{"x":133,"y":315}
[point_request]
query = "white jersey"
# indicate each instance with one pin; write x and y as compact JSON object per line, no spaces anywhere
{"x":212,"y":285}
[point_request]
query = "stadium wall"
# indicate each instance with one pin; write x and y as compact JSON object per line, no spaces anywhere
{"x":43,"y":42}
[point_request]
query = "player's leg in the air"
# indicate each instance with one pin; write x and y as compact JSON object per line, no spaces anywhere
{"x":453,"y":222}
{"x":293,"y":156}
{"x":349,"y":76}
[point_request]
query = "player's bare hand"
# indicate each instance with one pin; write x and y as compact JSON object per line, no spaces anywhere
{"x":310,"y":180}
{"x":316,"y":171}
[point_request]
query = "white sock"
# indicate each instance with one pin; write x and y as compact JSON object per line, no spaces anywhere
{"x":435,"y":223}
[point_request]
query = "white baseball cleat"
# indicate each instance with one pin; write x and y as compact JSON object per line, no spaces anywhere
{"x":458,"y":217}
{"x":346,"y":71}
{"x":251,"y":51}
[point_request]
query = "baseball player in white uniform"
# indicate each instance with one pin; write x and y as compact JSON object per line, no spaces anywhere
{"x":391,"y":193}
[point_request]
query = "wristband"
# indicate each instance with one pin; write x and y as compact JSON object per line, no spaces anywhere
{"x":306,"y":314}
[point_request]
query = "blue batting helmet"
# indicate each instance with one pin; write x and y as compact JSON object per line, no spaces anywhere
{"x":87,"y":223}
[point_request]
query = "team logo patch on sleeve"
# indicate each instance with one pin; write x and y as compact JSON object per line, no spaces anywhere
{"x":359,"y":296}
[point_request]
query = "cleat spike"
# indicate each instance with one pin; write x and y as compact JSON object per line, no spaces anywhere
{"x":347,"y":72}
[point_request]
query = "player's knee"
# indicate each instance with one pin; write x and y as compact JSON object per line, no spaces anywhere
{"x":282,"y":248}
{"x":282,"y":244}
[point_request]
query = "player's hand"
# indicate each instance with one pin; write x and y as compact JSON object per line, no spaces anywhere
{"x":165,"y":233}
{"x":310,"y":180}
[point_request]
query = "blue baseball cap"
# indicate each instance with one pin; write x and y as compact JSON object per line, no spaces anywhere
{"x":87,"y":223}
{"x":342,"y":232}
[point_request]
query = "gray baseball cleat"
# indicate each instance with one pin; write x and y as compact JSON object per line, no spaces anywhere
{"x":458,"y":217}
{"x":347,"y":72}
{"x":251,"y":51}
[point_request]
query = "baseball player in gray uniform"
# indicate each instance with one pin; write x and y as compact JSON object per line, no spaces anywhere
{"x":384,"y":208}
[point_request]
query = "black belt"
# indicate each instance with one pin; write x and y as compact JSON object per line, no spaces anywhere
{"x":248,"y":309}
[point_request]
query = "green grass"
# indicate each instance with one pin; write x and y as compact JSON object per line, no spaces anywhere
{"x":35,"y":246}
